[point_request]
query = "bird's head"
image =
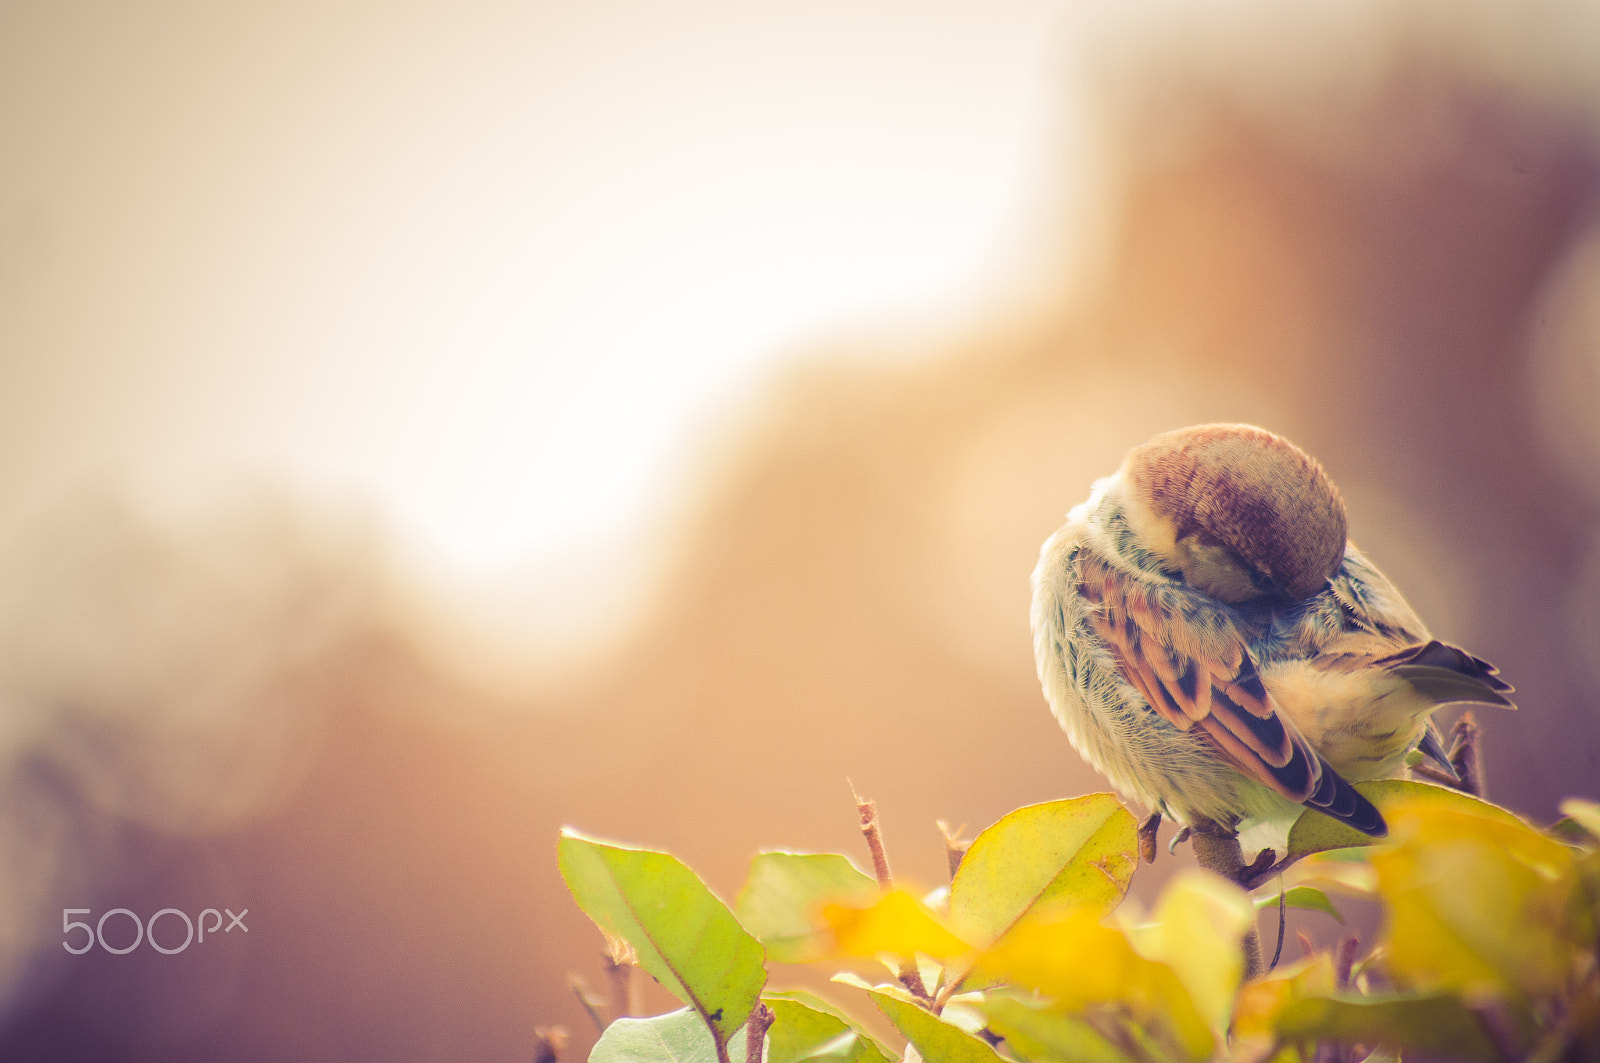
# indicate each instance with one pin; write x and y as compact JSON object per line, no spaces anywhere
{"x":1239,"y":512}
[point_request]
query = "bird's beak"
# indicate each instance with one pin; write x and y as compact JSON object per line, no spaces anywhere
{"x":1433,"y":749}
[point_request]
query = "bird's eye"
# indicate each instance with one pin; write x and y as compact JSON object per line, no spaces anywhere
{"x":1266,"y":586}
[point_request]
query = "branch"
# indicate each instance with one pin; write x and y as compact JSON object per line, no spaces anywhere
{"x":910,"y":977}
{"x":868,"y":811}
{"x":592,"y":1004}
{"x":1466,"y":755}
{"x":955,"y":846}
{"x":755,"y":1032}
{"x":549,"y":1044}
{"x":620,"y":960}
{"x":1218,"y":850}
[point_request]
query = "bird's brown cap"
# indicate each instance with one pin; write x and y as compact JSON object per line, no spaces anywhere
{"x":1249,"y":491}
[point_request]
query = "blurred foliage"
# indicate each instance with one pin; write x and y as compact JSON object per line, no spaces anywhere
{"x":1488,"y":951}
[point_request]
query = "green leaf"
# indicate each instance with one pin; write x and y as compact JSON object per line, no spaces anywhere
{"x":1315,"y":832}
{"x":1585,"y":814}
{"x":782,"y":899}
{"x":1435,"y":1025}
{"x":807,"y":1028}
{"x":1307,"y":898}
{"x":1043,"y":1036}
{"x":685,"y":937}
{"x":935,"y":1039}
{"x":1571,"y":832}
{"x":1078,"y":852}
{"x":676,"y":1037}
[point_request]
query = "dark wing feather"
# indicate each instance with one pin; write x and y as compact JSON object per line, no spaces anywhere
{"x":1448,"y":674}
{"x":1186,"y":656}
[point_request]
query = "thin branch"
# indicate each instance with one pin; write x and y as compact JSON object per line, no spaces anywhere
{"x":1344,"y":961}
{"x":1499,"y":1028}
{"x":620,"y":961}
{"x":1466,"y":754}
{"x":1436,"y":775}
{"x":910,"y":977}
{"x":1283,"y":919}
{"x":868,"y":811}
{"x":955,"y":846}
{"x":549,"y":1044}
{"x":755,"y":1033}
{"x":589,"y":1001}
{"x":1218,"y":850}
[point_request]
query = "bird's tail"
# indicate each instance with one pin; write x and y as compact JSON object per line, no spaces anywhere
{"x":1446,"y":675}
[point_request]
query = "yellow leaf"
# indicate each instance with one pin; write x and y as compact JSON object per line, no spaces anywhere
{"x":1200,"y":922}
{"x":1262,"y":1001}
{"x":1079,"y":853}
{"x":1314,"y":832}
{"x":1477,"y":904}
{"x":1438,"y":823}
{"x":896,"y":924}
{"x":1071,"y":958}
{"x":1080,"y":964}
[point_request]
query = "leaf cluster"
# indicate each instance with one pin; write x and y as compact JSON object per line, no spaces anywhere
{"x":1489,"y":949}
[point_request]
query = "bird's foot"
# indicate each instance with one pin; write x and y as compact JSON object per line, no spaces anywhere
{"x":1264,"y":860}
{"x":1177,"y":839}
{"x":1147,"y":837}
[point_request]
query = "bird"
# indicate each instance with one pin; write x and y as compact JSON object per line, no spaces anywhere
{"x":1212,"y":642}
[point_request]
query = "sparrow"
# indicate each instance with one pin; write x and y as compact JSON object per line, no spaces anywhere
{"x":1213,"y":644}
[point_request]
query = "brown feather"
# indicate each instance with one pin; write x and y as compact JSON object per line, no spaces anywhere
{"x":1189,"y":662}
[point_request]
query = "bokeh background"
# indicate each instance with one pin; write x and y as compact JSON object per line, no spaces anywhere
{"x":426,"y":425}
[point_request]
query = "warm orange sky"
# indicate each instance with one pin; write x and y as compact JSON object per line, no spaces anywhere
{"x":488,"y":262}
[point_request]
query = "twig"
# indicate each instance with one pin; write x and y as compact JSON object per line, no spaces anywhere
{"x":1498,"y":1028}
{"x":1283,"y":919}
{"x":910,"y":977}
{"x":1114,"y":1027}
{"x":955,"y":846}
{"x":868,"y":811}
{"x":1344,"y":961}
{"x":620,"y":960}
{"x":1436,"y":775}
{"x":591,"y":1003}
{"x":549,"y":1044}
{"x":755,"y":1032}
{"x":1466,"y":754}
{"x":1218,"y":850}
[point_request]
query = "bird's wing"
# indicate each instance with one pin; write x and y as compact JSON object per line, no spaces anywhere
{"x":1449,"y":674}
{"x":1185,"y":654}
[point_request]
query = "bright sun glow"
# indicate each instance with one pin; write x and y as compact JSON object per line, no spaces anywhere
{"x":691,"y":217}
{"x":489,"y":266}
{"x":556,"y":417}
